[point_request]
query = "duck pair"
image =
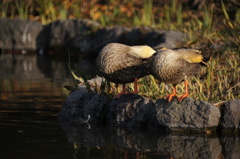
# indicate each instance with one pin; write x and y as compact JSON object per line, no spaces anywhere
{"x":124,"y":64}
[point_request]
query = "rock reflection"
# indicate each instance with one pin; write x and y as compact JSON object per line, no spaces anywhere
{"x":189,"y":147}
{"x":31,"y":66}
{"x":231,"y":147}
{"x":169,"y":145}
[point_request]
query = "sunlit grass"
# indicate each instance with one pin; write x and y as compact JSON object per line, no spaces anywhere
{"x":22,"y":8}
{"x":219,"y":82}
{"x":145,"y":17}
{"x":4,"y":8}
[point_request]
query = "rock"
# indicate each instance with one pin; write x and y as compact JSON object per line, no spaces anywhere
{"x":108,"y":35}
{"x":93,"y":83}
{"x":21,"y":34}
{"x":97,"y":108}
{"x":83,"y":36}
{"x":230,"y":115}
{"x":189,"y":147}
{"x":189,"y":114}
{"x":130,"y":111}
{"x":84,"y":107}
{"x":136,"y":36}
{"x":231,"y":147}
{"x":154,"y":37}
{"x":72,"y":34}
{"x":162,"y":38}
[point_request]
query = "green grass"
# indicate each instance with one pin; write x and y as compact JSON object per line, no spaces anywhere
{"x":145,"y":18}
{"x":22,"y":9}
{"x":4,"y":8}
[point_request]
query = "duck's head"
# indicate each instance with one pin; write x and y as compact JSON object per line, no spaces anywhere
{"x":142,"y":51}
{"x":194,"y":56}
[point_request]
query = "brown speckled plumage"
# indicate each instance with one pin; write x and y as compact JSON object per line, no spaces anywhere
{"x":174,"y":66}
{"x":120,"y":64}
{"x":169,"y":66}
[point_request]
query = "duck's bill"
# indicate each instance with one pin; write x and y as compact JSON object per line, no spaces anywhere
{"x":205,"y":63}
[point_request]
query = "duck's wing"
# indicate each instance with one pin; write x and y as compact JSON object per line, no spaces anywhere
{"x":187,"y":69}
{"x":192,"y":69}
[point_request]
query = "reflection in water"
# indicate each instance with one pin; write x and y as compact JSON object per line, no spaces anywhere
{"x":27,"y":85}
{"x":146,"y":143}
{"x":31,"y":66}
{"x":28,"y":121}
{"x":30,"y":99}
{"x":31,"y":95}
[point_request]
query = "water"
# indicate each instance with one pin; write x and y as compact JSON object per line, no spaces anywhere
{"x":31,"y":96}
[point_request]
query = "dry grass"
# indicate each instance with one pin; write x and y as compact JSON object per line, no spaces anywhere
{"x":213,"y":23}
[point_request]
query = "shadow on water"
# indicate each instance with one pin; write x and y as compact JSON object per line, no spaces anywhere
{"x":31,"y":96}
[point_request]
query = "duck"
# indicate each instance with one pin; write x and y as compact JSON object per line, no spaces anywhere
{"x":122,"y":64}
{"x":174,"y":66}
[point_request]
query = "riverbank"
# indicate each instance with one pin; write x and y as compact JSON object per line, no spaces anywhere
{"x":131,"y":112}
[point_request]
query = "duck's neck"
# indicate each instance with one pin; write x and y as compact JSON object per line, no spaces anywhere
{"x":142,"y":51}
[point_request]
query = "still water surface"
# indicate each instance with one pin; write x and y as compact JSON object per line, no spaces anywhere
{"x":31,"y":96}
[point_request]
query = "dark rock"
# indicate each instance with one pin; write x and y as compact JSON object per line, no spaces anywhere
{"x":231,"y":147}
{"x":162,"y":38}
{"x":21,"y":34}
{"x":84,"y":107}
{"x":154,"y":37}
{"x":72,"y":34}
{"x":136,"y":36}
{"x":84,"y":36}
{"x":230,"y":118}
{"x":131,"y":111}
{"x":188,"y":114}
{"x":93,"y":83}
{"x":97,"y":108}
{"x":189,"y":147}
{"x":105,"y":36}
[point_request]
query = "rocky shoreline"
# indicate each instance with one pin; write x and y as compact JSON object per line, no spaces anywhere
{"x":130,"y":111}
{"x":136,"y":112}
{"x":85,"y":37}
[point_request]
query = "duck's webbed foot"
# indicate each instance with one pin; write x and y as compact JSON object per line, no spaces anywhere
{"x":170,"y":96}
{"x":181,"y":97}
{"x":124,"y":91}
{"x":135,"y":86}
